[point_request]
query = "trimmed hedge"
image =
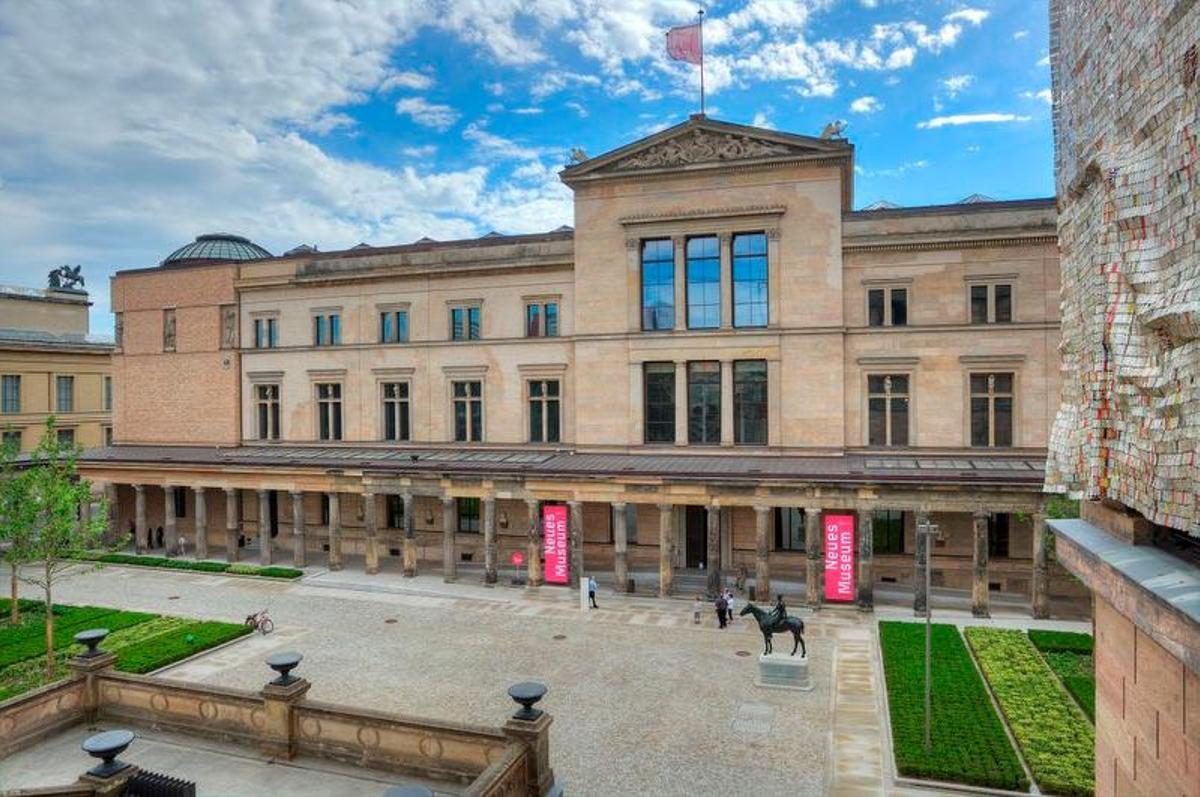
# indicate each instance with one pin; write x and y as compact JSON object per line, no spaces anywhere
{"x":1062,"y":642}
{"x":178,"y":643}
{"x":1077,"y":673}
{"x":1058,"y":743}
{"x":192,"y":564}
{"x":969,"y":743}
{"x":27,"y":641}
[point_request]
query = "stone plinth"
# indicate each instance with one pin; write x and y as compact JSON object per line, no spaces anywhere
{"x":781,"y":671}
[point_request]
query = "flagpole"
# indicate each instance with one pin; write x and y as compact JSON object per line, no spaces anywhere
{"x":700,"y":12}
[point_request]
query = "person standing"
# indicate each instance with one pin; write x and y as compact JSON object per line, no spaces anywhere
{"x":697,"y":607}
{"x":592,"y":592}
{"x":730,"y":604}
{"x":722,"y":609}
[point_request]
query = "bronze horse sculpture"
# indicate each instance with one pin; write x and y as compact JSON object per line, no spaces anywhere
{"x":769,"y":623}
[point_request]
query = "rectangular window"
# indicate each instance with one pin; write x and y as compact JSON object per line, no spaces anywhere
{"x":393,"y":326}
{"x":659,"y":380}
{"x":168,"y":330}
{"x":992,"y":410}
{"x":66,"y":437}
{"x":266,"y":399}
{"x":750,"y":280}
{"x":395,"y":511}
{"x":108,"y":393}
{"x":468,"y":515}
{"x":10,"y":393}
{"x":544,"y":411}
{"x":324,"y":509}
{"x":703,"y":268}
{"x":998,"y":535}
{"x":658,"y":284}
{"x":750,"y":402}
{"x":266,"y":333}
{"x":541,"y":320}
{"x":887,"y":307}
{"x":887,"y":531}
{"x":468,"y":411}
{"x":704,"y":402}
{"x":329,"y":411}
{"x":11,"y":437}
{"x":108,"y":436}
{"x":887,"y":410}
{"x":464,"y":323}
{"x":395,"y":411}
{"x":180,"y":494}
{"x":789,"y":529}
{"x":327,"y":329}
{"x":991,"y":303}
{"x":64,"y":393}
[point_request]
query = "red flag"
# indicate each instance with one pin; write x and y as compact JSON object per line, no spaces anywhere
{"x":683,"y":44}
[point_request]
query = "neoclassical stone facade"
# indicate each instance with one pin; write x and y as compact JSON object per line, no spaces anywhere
{"x":718,"y":355}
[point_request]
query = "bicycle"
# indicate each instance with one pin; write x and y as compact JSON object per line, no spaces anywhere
{"x":260,"y":622}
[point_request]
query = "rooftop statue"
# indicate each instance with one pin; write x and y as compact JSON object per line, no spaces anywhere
{"x":67,"y":277}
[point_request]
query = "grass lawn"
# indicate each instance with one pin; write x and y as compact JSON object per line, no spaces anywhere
{"x":1070,"y":656}
{"x":143,"y":642}
{"x":968,"y":740}
{"x":1056,"y":739}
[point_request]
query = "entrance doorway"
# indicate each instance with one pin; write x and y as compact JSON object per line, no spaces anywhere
{"x":696,"y":555}
{"x":273,"y":503}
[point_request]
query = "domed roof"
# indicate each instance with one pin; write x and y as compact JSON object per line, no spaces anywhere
{"x":217,"y":246}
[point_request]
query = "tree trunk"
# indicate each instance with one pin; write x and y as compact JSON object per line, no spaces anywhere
{"x":14,"y":612}
{"x":49,"y":634}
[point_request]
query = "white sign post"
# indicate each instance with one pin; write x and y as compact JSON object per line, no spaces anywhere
{"x":583,"y":593}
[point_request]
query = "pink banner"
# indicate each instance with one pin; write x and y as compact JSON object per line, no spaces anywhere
{"x":839,"y":557}
{"x":554,"y":536}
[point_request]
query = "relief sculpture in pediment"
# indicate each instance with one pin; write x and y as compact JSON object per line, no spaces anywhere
{"x":701,"y":146}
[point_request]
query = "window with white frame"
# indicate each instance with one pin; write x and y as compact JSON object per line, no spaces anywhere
{"x":329,"y":410}
{"x":468,"y":410}
{"x":266,"y":400}
{"x":545,"y":416}
{"x":395,"y":411}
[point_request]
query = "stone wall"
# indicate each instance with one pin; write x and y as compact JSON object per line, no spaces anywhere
{"x":1127,"y":98}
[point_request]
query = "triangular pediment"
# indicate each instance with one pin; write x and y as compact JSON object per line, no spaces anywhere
{"x":701,"y":142}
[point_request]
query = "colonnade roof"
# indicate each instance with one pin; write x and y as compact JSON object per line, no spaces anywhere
{"x":1022,"y":471}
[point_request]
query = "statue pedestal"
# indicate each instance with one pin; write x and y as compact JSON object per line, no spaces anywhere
{"x":781,"y":671}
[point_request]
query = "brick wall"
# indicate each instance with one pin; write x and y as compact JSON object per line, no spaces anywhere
{"x":1147,"y":713}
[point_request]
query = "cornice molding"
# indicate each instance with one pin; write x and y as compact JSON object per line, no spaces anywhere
{"x":933,"y":245}
{"x":705,"y":213}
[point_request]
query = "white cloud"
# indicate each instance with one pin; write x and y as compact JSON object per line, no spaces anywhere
{"x":531,"y":111}
{"x":423,"y":151}
{"x":866,"y":105}
{"x":894,"y":171}
{"x":975,"y":16}
{"x":406,"y":80}
{"x":555,"y":81}
{"x":578,"y":108}
{"x":957,"y":83}
{"x":763,"y":118}
{"x":423,"y":112}
{"x":1044,"y":60}
{"x":1045,"y":95}
{"x":494,"y":147}
{"x":970,"y":119}
{"x":1021,"y":34}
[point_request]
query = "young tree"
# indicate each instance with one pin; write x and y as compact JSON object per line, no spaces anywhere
{"x":15,"y":519}
{"x":57,"y":534}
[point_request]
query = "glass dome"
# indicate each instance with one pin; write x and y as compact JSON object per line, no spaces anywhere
{"x":217,"y":246}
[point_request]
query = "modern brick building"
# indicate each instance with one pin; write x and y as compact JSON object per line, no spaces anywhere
{"x":719,"y":355}
{"x":1127,"y":436}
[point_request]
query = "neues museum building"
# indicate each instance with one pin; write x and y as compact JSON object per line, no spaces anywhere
{"x":721,"y":372}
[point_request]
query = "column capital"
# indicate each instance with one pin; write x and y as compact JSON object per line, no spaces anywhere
{"x":296,"y":493}
{"x":813,"y":510}
{"x":447,"y":500}
{"x":666,"y":507}
{"x":262,"y":491}
{"x":981,"y":514}
{"x":139,"y":487}
{"x":198,"y":490}
{"x":762,"y":509}
{"x":574,"y":503}
{"x":619,"y":505}
{"x":490,"y":498}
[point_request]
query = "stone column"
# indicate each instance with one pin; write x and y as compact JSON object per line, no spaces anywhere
{"x":1040,"y":598}
{"x":410,"y":536}
{"x":575,"y":536}
{"x":201,"y":523}
{"x":139,"y":515}
{"x":814,"y":547}
{"x":666,"y":542}
{"x":620,"y":546}
{"x":679,"y":247}
{"x":762,"y":553}
{"x":170,"y":525}
{"x":920,"y":566}
{"x":299,"y":544}
{"x":533,"y":560}
{"x":110,"y":495}
{"x":681,"y":403}
{"x":489,"y":540}
{"x":449,"y":523}
{"x":264,"y":527}
{"x":727,"y":430}
{"x":335,"y":532}
{"x":866,"y":563}
{"x":713,"y":562}
{"x":371,"y":532}
{"x":232,"y":554}
{"x":726,"y":294}
{"x":979,"y":580}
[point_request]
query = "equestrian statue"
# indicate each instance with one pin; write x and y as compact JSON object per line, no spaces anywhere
{"x":777,"y":621}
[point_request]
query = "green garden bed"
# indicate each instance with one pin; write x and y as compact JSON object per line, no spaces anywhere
{"x":1070,"y":656}
{"x":205,"y":566}
{"x":1055,"y":738}
{"x":969,"y":742}
{"x":142,"y":642}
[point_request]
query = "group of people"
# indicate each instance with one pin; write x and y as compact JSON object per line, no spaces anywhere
{"x":725,"y":604}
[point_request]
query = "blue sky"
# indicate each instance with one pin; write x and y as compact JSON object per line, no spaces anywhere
{"x":128,"y":128}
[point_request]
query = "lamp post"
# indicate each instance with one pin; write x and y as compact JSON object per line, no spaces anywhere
{"x":925,"y":535}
